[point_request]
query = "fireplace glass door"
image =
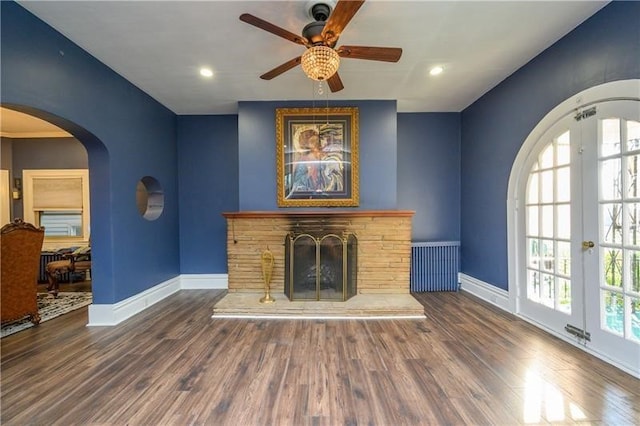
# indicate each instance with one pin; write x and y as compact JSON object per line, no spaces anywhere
{"x":320,"y":267}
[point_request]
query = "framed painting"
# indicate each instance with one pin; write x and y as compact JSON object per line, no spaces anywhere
{"x":317,"y":157}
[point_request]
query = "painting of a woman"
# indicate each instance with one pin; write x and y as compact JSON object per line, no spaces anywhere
{"x":318,"y":164}
{"x":307,"y":173}
{"x":317,"y":157}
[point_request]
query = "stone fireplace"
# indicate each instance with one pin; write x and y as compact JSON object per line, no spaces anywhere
{"x":383,"y":246}
{"x":377,"y":245}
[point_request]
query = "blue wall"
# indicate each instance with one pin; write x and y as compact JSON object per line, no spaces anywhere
{"x":208,"y":164}
{"x":257,"y":155}
{"x":429,"y":174}
{"x":127,"y":134}
{"x":604,"y":48}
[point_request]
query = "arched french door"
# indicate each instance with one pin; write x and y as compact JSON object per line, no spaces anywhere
{"x":576,"y":271}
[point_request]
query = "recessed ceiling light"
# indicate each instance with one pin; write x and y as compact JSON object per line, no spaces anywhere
{"x":206,"y":72}
{"x":436,"y":70}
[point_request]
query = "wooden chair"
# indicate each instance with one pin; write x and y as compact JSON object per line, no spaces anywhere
{"x":71,"y":263}
{"x":20,"y":260}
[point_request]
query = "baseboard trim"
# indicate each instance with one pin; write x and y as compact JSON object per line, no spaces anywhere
{"x":485,"y":291}
{"x":113,"y":314}
{"x":204,"y":281}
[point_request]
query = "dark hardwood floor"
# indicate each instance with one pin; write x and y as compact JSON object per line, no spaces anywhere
{"x":467,"y":363}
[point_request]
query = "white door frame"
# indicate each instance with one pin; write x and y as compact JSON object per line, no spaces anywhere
{"x":616,"y":90}
{"x":5,"y":197}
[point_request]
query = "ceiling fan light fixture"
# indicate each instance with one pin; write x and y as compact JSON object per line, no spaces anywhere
{"x":206,"y":72}
{"x":437,"y":70}
{"x":320,"y":62}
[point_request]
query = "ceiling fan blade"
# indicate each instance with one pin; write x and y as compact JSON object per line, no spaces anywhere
{"x":281,"y":69}
{"x":386,"y":54}
{"x":273,"y":29}
{"x":339,"y":18}
{"x":335,"y":84}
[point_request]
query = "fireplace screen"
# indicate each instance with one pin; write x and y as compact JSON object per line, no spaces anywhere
{"x":320,"y":267}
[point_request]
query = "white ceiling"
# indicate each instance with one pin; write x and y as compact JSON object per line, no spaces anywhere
{"x":160,"y":46}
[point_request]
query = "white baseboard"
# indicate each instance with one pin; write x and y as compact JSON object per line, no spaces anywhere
{"x":107,"y":315}
{"x":485,"y":291}
{"x":204,"y":281}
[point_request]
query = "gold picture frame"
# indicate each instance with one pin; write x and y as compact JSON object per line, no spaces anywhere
{"x":317,"y":157}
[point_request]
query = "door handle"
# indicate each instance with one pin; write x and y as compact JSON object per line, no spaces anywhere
{"x":587,"y":245}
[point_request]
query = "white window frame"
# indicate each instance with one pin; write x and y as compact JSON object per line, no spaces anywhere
{"x":5,"y":196}
{"x":31,"y":215}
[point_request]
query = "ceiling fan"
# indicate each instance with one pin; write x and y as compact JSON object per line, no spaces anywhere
{"x":321,"y":59}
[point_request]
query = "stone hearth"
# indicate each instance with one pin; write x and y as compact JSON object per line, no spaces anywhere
{"x":361,"y":306}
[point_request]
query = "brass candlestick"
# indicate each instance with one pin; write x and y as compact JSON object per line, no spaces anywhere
{"x":267,"y":269}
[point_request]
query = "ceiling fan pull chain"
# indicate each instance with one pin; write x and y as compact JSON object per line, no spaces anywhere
{"x":327,"y":99}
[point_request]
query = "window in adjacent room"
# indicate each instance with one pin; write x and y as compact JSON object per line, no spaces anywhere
{"x":59,"y":201}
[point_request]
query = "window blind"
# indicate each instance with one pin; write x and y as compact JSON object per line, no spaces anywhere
{"x":57,"y":193}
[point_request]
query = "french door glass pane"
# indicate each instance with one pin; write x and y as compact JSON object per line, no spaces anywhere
{"x":633,"y":266}
{"x":612,"y":267}
{"x":611,"y":181}
{"x":610,"y":142}
{"x":548,"y":258}
{"x":564,"y":297}
{"x":612,"y":304}
{"x":532,"y":193}
{"x":563,"y":217}
{"x":563,"y":182}
{"x":532,"y":221}
{"x":564,"y":258}
{"x":635,"y":319}
{"x":533,"y":253}
{"x":547,"y":290}
{"x":611,"y":222}
{"x":632,"y":227}
{"x":632,"y":176}
{"x":546,"y":186}
{"x":633,"y":135}
{"x":547,"y":221}
{"x":546,"y":158}
{"x":563,"y":149}
{"x":533,"y":285}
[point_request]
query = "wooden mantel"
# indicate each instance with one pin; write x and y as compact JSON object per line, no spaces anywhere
{"x":384,"y":246}
{"x":327,"y":213}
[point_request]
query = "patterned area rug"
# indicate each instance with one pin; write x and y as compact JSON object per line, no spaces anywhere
{"x":50,"y":308}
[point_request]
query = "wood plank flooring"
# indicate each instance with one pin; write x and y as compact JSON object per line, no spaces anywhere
{"x":467,"y":363}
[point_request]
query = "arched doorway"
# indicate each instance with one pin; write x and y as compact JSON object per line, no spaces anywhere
{"x":100,"y":223}
{"x":573,"y":210}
